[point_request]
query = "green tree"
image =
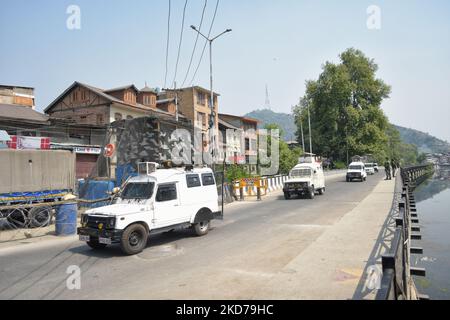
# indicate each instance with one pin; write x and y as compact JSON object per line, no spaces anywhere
{"x":288,"y":157}
{"x":344,"y":103}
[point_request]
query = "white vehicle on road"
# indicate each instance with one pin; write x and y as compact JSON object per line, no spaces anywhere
{"x":155,"y":202}
{"x":356,"y":171}
{"x":375,"y":167}
{"x":370,"y":169}
{"x":306,"y":178}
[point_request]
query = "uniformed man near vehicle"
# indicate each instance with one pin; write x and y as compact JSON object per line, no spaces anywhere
{"x":387,"y":168}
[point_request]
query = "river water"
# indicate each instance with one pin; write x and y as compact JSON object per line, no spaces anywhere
{"x":433,"y":206}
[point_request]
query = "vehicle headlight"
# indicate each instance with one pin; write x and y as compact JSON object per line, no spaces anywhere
{"x":111,"y":223}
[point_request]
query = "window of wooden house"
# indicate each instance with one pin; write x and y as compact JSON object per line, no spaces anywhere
{"x":147,"y":100}
{"x":99,"y":119}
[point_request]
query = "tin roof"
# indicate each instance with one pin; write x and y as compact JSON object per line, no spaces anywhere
{"x":19,"y":112}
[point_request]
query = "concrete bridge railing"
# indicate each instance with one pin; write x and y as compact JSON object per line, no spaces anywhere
{"x":397,"y":282}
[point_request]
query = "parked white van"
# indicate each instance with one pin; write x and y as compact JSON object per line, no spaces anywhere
{"x":155,"y":202}
{"x":305,"y":179}
{"x":356,"y":170}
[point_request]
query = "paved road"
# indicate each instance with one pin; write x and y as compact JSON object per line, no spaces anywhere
{"x":234,"y":261}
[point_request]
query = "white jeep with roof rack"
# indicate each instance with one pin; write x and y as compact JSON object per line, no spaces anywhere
{"x":155,"y":201}
{"x":306,"y":178}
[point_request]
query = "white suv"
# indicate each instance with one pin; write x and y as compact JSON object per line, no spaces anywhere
{"x":356,"y":170}
{"x":157,"y":202}
{"x":370,"y":168}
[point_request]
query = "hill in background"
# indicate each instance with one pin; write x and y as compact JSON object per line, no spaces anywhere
{"x":425,"y":142}
{"x":284,"y":120}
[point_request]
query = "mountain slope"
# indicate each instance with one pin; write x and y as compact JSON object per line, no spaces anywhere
{"x":284,"y":120}
{"x":425,"y":142}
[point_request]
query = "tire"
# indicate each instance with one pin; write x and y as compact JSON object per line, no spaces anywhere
{"x":348,"y":179}
{"x":94,"y":244}
{"x":312,"y":193}
{"x":134,"y":239}
{"x":287,"y":195}
{"x":321,"y":191}
{"x":201,"y":229}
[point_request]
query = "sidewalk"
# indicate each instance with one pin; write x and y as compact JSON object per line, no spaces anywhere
{"x":20,"y":237}
{"x":332,"y":266}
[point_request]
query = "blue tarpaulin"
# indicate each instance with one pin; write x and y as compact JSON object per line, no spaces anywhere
{"x":95,"y":190}
{"x":32,"y":196}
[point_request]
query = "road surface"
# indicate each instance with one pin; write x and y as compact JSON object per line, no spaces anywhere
{"x":236,"y":260}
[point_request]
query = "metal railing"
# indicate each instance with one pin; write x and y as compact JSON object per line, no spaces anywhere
{"x":397,"y":282}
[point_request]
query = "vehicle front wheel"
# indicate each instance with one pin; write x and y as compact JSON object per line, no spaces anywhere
{"x":134,"y":239}
{"x":201,"y":228}
{"x":287,"y":195}
{"x":94,"y":244}
{"x":322,"y":191}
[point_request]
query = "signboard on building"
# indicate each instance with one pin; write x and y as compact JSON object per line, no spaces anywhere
{"x":29,"y":143}
{"x":87,"y":150}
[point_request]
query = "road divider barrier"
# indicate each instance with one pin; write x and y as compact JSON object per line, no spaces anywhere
{"x":258,"y":187}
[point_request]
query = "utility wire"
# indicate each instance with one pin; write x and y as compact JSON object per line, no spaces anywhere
{"x":206,"y":42}
{"x":179,"y":44}
{"x":167,"y":45}
{"x":195,"y":44}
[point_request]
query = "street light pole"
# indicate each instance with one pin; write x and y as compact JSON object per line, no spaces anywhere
{"x":213,"y":113}
{"x":310,"y":137}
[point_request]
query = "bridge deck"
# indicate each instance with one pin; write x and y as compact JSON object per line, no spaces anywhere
{"x":312,"y":249}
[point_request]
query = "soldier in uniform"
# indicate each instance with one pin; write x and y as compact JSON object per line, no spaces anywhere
{"x":387,"y":168}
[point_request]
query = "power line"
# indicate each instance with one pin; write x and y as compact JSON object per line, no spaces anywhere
{"x":206,"y":42}
{"x":167,"y":45}
{"x":179,"y":44}
{"x":195,"y":44}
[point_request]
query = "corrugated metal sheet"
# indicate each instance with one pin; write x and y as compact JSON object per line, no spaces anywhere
{"x":36,"y":170}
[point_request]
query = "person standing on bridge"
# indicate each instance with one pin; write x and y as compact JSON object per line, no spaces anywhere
{"x":387,"y":168}
{"x":394,"y":167}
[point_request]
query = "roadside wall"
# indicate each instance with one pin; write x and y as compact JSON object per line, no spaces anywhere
{"x":36,"y":170}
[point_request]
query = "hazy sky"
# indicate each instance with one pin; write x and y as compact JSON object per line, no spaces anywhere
{"x":278,"y":43}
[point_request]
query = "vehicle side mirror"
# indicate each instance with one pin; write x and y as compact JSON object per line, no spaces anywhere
{"x":115,"y":190}
{"x":315,"y":171}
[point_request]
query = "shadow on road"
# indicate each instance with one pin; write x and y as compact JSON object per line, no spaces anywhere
{"x":114,"y":250}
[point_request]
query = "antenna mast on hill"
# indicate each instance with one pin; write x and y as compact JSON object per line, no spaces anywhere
{"x":267,"y":104}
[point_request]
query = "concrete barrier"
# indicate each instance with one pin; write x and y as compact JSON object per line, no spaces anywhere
{"x":275,"y":183}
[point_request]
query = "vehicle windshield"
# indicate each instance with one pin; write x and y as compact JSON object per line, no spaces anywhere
{"x":355,"y":167}
{"x":138,"y":190}
{"x":305,"y":160}
{"x":298,"y":173}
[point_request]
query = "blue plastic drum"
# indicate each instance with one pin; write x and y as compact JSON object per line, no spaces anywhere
{"x":66,"y":219}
